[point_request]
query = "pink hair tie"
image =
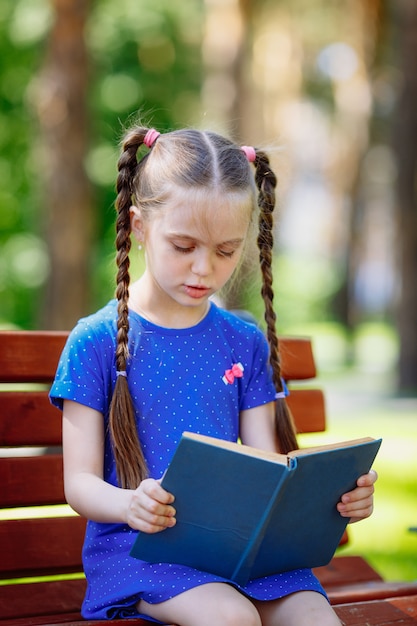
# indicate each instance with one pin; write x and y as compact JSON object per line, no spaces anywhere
{"x":250,"y":153}
{"x":150,"y":137}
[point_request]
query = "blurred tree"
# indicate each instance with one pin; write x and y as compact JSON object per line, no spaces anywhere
{"x":226,"y":99}
{"x":139,"y":59}
{"x":62,"y":110}
{"x":304,"y":79}
{"x":405,"y":142}
{"x":352,"y":104}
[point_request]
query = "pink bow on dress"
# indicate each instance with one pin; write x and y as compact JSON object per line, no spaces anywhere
{"x":236,"y":371}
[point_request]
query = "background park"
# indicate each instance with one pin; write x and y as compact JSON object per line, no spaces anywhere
{"x":329,"y":88}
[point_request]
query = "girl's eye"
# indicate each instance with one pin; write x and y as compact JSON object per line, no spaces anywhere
{"x":189,"y":249}
{"x":183,"y":250}
{"x":226,"y":253}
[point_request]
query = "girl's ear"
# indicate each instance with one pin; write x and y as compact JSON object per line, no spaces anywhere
{"x":136,"y":223}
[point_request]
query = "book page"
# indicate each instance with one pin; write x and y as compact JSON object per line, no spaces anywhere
{"x":330,"y":446}
{"x":240,"y":448}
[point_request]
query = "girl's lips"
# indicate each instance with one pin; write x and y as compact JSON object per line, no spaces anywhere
{"x":196,"y":292}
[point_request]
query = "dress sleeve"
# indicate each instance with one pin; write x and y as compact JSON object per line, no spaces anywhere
{"x":85,"y":369}
{"x":259,"y":388}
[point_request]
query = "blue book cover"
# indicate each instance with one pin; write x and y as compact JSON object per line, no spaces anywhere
{"x":243,"y":513}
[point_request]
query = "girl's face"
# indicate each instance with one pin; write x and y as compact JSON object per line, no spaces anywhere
{"x":193,"y":245}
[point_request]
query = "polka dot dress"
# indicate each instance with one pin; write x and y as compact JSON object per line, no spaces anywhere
{"x":193,"y":379}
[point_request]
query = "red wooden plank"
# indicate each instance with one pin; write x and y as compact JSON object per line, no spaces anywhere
{"x":40,"y":598}
{"x":117,"y":622}
{"x":406,"y":604}
{"x":51,"y":619}
{"x":371,"y":590}
{"x":308,"y":410}
{"x":297,"y":359}
{"x":71,"y":618}
{"x":390,"y":612}
{"x":30,"y":356}
{"x":27,"y":418}
{"x":36,"y":547}
{"x":342,"y":569}
{"x":31,"y":481}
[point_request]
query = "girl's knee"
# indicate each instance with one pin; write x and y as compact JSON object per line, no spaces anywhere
{"x":304,"y":608}
{"x":207,"y":605}
{"x":239,"y":614}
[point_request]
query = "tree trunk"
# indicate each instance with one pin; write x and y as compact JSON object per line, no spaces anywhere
{"x":61,"y":105}
{"x":405,"y":141}
{"x":225,"y":52}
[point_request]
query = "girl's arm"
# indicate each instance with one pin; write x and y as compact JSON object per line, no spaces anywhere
{"x":257,"y":430}
{"x":146,"y":508}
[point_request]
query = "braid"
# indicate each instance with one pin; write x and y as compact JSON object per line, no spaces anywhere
{"x":266,"y":182}
{"x":130,"y":463}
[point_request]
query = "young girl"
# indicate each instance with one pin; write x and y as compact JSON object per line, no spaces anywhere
{"x":151,"y":364}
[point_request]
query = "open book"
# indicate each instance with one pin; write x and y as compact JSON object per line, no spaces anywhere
{"x":243,"y":513}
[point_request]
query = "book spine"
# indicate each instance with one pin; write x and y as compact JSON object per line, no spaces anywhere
{"x":242,"y":571}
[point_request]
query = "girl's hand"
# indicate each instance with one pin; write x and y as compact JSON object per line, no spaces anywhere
{"x":359,"y":503}
{"x":150,"y":507}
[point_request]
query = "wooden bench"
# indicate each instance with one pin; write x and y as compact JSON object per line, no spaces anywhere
{"x":394,"y":611}
{"x":36,"y":546}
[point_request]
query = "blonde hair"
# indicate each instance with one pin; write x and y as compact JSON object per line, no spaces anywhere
{"x":198,"y":160}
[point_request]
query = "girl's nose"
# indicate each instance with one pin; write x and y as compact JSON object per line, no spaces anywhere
{"x":202,"y":263}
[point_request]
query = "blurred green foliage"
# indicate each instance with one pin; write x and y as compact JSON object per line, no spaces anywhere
{"x":23,"y":27}
{"x":145,"y":56}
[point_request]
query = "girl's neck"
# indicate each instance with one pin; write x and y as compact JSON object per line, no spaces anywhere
{"x":161,"y":311}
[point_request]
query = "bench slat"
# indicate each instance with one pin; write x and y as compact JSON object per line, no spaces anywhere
{"x":37,"y":547}
{"x":371,"y":590}
{"x":390,"y":612}
{"x":27,"y":418}
{"x":41,"y":598}
{"x":297,"y":359}
{"x":308,"y":410}
{"x":28,"y":356}
{"x":344,"y":568}
{"x":52,"y":619}
{"x":31,"y":481}
{"x":74,"y":619}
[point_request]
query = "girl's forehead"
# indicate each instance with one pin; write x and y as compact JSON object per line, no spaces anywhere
{"x":208,"y":212}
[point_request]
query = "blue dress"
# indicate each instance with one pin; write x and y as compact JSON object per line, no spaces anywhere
{"x":177,"y":382}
